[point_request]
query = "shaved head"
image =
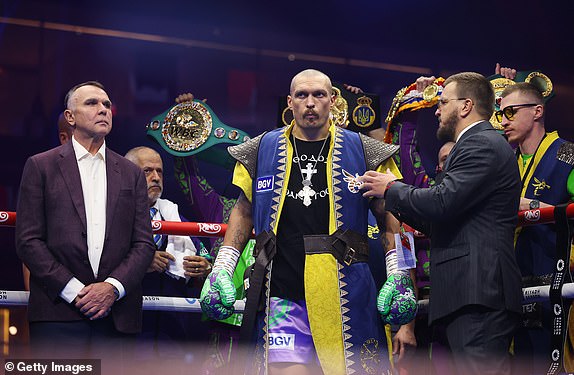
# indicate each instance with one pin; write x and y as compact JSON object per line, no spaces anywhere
{"x":311,"y":73}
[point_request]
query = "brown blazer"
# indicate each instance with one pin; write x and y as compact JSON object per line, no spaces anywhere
{"x":51,"y":234}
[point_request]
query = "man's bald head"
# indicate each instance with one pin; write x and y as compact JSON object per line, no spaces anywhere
{"x":311,"y":73}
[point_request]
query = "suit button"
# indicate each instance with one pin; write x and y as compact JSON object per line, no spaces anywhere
{"x":86,"y":262}
{"x":84,"y":234}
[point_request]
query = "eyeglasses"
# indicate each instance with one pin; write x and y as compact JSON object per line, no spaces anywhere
{"x":442,"y":102}
{"x":510,"y":111}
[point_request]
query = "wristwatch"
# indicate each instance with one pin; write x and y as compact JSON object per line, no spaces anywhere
{"x":534,"y":204}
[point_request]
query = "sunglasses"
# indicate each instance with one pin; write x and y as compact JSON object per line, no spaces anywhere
{"x":510,"y":111}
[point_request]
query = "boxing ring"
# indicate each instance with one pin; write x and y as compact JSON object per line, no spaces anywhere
{"x":560,"y":293}
{"x":525,"y":218}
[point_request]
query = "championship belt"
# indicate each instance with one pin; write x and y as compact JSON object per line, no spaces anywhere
{"x":193,"y":128}
{"x":536,"y":78}
{"x":409,"y":99}
{"x":357,"y":112}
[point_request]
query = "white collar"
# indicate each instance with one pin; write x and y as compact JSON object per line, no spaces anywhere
{"x":467,"y":129}
{"x":81,"y":152}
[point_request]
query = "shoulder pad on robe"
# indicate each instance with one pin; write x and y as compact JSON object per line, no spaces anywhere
{"x":246,"y":154}
{"x":376,"y":152}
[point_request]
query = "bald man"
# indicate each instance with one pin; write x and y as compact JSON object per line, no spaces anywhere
{"x":311,"y":275}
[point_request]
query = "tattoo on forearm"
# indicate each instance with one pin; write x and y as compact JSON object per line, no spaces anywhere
{"x":386,"y":243}
{"x":242,"y":229}
{"x":243,"y":205}
{"x":239,"y":239}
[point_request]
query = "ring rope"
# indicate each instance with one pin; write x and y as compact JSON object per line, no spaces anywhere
{"x":543,"y":215}
{"x":20,"y":298}
{"x":525,"y":218}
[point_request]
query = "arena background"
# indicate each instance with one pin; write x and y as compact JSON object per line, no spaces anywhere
{"x":241,"y":56}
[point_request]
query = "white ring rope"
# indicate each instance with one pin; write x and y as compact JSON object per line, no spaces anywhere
{"x":20,"y":298}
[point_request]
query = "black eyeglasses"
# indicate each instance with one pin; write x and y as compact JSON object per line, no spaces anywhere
{"x":442,"y":101}
{"x":510,"y":111}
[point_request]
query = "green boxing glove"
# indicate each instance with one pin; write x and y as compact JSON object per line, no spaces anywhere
{"x":218,"y":295}
{"x":396,"y":302}
{"x":218,"y":292}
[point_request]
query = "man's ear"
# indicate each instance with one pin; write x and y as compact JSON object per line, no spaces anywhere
{"x":539,"y":111}
{"x":466,"y":108}
{"x":70,"y":117}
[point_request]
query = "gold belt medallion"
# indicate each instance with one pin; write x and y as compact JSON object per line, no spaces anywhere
{"x":187,"y":126}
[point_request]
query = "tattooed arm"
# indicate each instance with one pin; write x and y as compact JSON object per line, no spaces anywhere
{"x":387,"y":223}
{"x":218,"y":293}
{"x":396,"y":301}
{"x":388,"y":226}
{"x":240,"y":224}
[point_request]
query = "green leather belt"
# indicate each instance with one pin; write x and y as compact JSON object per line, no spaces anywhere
{"x":193,"y":128}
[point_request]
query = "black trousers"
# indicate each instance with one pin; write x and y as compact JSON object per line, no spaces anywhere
{"x":97,"y":339}
{"x":479,"y":338}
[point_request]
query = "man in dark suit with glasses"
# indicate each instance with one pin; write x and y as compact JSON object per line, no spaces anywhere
{"x":470,"y":216}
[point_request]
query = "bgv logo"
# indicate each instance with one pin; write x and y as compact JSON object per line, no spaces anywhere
{"x":281,"y":341}
{"x":264,"y":183}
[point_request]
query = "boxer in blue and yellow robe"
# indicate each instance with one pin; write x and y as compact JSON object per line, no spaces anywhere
{"x":300,"y":193}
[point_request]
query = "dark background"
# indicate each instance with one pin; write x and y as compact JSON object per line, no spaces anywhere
{"x":242,"y":56}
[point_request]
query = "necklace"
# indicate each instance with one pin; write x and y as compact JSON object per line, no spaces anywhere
{"x":307,"y":191}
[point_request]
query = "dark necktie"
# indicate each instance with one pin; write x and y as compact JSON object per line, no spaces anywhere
{"x":156,"y":237}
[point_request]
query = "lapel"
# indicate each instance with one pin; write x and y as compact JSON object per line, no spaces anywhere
{"x":113,"y":175}
{"x":481,"y":126}
{"x":71,"y":174}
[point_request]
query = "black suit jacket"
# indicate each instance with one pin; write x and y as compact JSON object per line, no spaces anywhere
{"x":51,"y":234}
{"x":471,"y":216}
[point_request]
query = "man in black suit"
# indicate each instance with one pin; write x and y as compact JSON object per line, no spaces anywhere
{"x":470,"y":217}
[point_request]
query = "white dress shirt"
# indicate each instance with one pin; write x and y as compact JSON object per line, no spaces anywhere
{"x":94,"y":187}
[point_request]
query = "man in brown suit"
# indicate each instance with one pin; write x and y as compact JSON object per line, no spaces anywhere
{"x":84,"y":232}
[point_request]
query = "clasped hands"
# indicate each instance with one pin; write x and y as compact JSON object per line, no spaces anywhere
{"x":95,"y":300}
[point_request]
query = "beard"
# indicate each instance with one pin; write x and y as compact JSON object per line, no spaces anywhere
{"x":446,"y":132}
{"x":154,"y":196}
